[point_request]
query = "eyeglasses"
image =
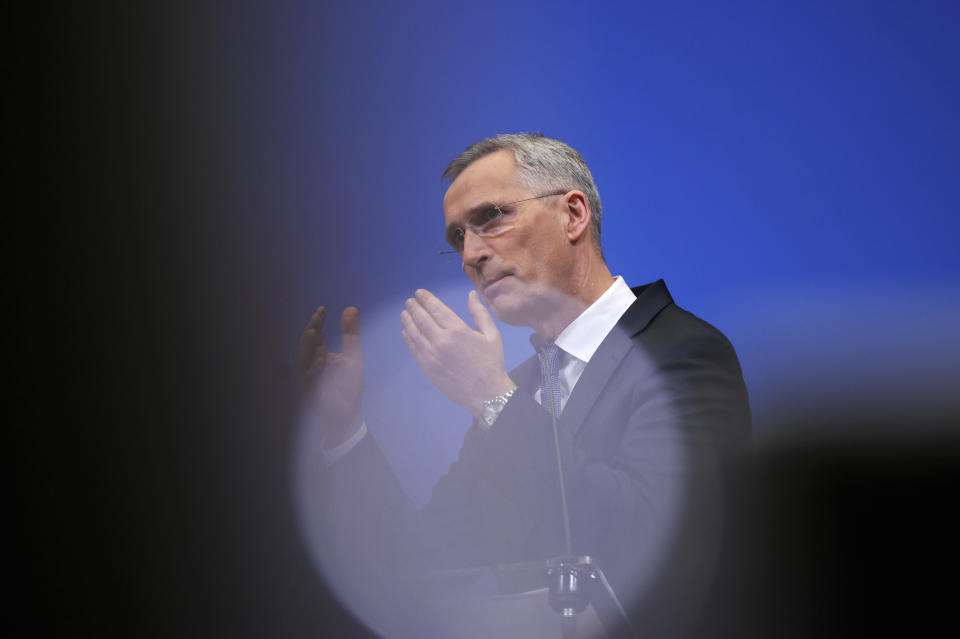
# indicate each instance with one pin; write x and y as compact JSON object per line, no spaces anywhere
{"x":488,"y":222}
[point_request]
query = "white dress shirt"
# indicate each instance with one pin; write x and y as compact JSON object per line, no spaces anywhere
{"x":581,"y":338}
{"x":577,"y":342}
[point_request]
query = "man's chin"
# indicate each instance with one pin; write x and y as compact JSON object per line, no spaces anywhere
{"x":510,"y":308}
{"x":527,"y":305}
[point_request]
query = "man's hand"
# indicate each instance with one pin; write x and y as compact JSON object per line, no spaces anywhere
{"x":466,"y":365}
{"x":332,"y":383}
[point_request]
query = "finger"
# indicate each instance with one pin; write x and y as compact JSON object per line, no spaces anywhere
{"x":412,"y":345}
{"x":317,"y":319}
{"x":481,"y":316}
{"x":412,"y":334}
{"x":313,"y":331}
{"x":442,"y":314}
{"x":310,"y":339}
{"x":350,"y":332}
{"x":312,"y":335}
{"x":312,"y":347}
{"x":422,"y":357}
{"x":312,"y":350}
{"x":427,"y":327}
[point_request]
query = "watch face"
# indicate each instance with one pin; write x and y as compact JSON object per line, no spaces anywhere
{"x":492,"y":407}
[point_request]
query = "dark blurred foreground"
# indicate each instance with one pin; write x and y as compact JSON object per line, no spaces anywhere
{"x":844,"y":528}
{"x":148,"y":489}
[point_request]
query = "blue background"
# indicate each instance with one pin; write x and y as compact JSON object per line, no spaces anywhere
{"x":790,"y":169}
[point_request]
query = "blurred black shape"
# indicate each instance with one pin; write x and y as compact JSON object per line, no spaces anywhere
{"x":147,"y":488}
{"x":842,"y":526}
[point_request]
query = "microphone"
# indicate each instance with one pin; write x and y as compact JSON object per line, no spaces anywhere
{"x":571,"y":577}
{"x":563,"y":486}
{"x":553,"y":402}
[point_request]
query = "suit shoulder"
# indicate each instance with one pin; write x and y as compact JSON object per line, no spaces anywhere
{"x":673,"y":323}
{"x":677,"y":335}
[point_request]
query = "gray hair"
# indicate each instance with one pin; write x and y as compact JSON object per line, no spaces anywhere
{"x":543,"y":163}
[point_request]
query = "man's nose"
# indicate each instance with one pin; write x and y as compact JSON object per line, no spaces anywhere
{"x":475,"y":249}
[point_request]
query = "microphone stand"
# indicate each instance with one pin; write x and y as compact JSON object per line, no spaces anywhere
{"x":575,"y":581}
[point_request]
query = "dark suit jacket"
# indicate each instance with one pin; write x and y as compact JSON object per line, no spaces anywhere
{"x":641,"y":439}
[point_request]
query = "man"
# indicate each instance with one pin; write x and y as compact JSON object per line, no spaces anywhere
{"x":646,"y":398}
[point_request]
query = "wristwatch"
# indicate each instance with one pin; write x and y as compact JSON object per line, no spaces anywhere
{"x":492,"y":408}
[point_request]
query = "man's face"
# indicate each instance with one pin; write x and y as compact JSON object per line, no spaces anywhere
{"x":521,"y":271}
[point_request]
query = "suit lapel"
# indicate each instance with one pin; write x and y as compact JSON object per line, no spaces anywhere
{"x":651,"y":299}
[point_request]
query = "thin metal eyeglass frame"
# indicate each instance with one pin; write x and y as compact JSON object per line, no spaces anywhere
{"x":497,"y":206}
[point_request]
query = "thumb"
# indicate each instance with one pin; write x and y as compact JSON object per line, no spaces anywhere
{"x":481,"y":316}
{"x":350,"y":332}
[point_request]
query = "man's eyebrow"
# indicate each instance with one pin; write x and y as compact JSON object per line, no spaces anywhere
{"x":471,"y":212}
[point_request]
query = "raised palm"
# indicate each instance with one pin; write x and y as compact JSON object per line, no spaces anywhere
{"x":332,"y":383}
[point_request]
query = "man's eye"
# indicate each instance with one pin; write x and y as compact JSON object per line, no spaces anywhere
{"x":491,"y":214}
{"x":456,"y":239}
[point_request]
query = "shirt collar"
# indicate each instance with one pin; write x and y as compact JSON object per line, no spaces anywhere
{"x":582,"y":336}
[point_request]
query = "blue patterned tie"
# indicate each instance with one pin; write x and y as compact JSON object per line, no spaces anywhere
{"x":550,"y":378}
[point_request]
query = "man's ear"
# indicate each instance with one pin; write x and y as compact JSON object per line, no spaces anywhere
{"x":578,"y":215}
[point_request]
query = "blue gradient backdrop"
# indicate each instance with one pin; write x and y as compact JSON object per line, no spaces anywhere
{"x":790,"y":169}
